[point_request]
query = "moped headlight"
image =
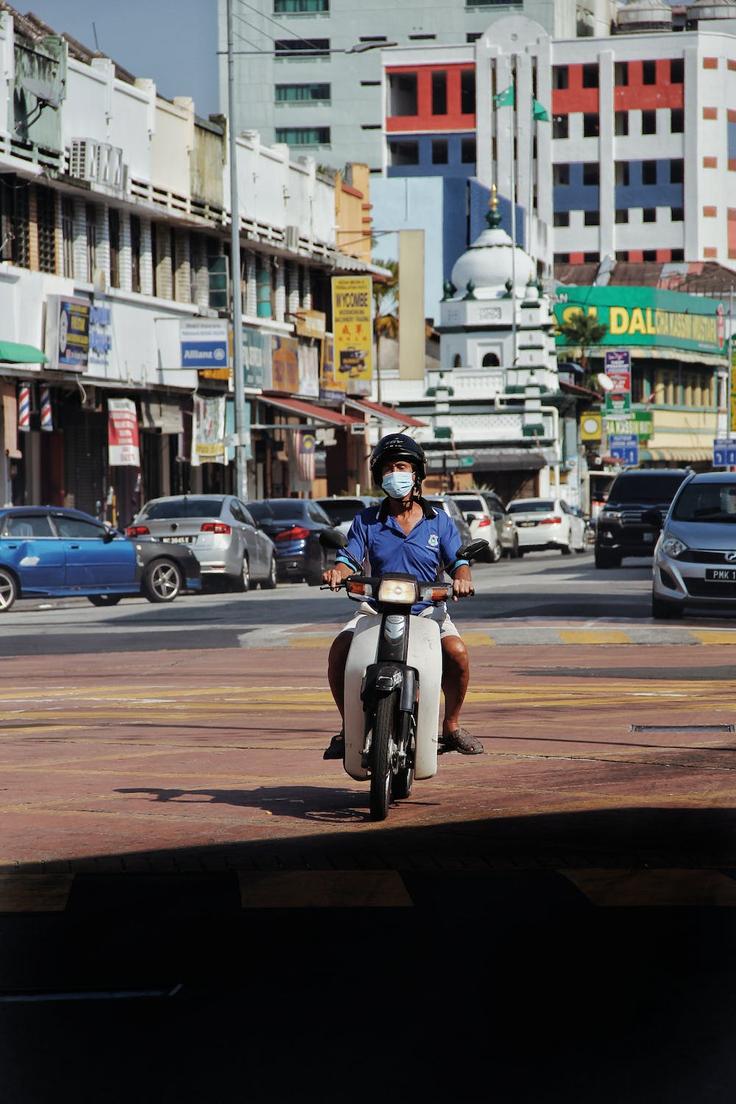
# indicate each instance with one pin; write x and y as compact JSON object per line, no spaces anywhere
{"x":401,"y":591}
{"x":671,"y":546}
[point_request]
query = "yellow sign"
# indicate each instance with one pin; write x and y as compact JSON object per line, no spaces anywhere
{"x":732,"y":388}
{"x":590,"y":427}
{"x":352,"y":321}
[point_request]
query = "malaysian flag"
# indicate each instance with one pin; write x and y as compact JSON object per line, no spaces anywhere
{"x":306,"y":443}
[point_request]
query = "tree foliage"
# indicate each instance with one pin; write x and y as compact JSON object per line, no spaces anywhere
{"x":583,"y":331}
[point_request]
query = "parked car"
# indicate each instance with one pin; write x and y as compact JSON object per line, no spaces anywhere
{"x":220,"y":532}
{"x":475,"y":510}
{"x":294,"y":525}
{"x":341,"y":509}
{"x":547,"y":523}
{"x":451,"y":508}
{"x":505,"y":526}
{"x":695,"y":556}
{"x":49,"y":551}
{"x":621,"y":528}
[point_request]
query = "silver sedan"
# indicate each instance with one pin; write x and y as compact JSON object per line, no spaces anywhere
{"x":221,"y":533}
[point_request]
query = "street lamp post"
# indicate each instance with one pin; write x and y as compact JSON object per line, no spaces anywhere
{"x":241,"y":465}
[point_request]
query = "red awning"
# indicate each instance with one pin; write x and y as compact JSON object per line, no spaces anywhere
{"x":310,"y":410}
{"x":388,"y":413}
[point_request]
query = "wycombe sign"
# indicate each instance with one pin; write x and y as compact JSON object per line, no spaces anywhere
{"x":646,"y":316}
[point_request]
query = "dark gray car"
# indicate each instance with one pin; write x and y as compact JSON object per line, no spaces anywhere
{"x":221,"y":533}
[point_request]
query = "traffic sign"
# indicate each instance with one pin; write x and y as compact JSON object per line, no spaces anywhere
{"x":724,"y":453}
{"x":625,"y":447}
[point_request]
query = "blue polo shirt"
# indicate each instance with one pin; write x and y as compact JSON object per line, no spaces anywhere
{"x":377,"y":545}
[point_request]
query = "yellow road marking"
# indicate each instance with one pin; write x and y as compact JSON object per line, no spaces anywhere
{"x":479,"y":639}
{"x":654,"y":888}
{"x":34,"y":892}
{"x":323,"y":889}
{"x":594,"y":636}
{"x":714,"y":636}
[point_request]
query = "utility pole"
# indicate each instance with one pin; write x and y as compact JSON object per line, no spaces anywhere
{"x":241,"y":470}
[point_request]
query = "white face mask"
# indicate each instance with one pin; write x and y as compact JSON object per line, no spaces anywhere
{"x":398,"y":484}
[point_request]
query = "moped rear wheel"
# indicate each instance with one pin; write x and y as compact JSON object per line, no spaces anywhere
{"x":383,"y":733}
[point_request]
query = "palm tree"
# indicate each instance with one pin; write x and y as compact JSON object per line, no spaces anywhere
{"x":385,"y":320}
{"x":583,"y":331}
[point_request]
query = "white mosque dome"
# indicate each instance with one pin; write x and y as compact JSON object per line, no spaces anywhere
{"x":491,"y":263}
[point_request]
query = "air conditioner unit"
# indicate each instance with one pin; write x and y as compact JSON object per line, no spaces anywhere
{"x":292,"y":238}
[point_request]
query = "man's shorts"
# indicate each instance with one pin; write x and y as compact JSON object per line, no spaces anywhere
{"x":437,"y":613}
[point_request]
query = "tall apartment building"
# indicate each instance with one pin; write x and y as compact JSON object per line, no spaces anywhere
{"x":637,"y":161}
{"x":308,"y":72}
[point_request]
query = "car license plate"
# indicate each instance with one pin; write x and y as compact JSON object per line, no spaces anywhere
{"x":526,"y":523}
{"x":178,"y":540}
{"x":721,"y":574}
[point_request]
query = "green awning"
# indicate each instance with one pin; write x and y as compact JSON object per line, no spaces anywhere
{"x":13,"y":353}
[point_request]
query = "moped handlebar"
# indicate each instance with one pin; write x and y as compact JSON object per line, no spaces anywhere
{"x":356,"y":587}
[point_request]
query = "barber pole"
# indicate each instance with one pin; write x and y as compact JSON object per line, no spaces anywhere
{"x":47,"y":418}
{"x":24,"y":407}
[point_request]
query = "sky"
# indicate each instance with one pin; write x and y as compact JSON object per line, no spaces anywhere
{"x":174,"y":42}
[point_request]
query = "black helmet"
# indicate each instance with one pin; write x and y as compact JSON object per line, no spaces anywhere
{"x":397,"y":446}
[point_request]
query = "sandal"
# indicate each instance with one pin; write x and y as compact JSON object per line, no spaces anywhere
{"x":463,"y":741}
{"x":336,"y":747}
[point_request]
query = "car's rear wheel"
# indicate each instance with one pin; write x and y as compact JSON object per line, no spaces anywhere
{"x":8,"y":590}
{"x":104,"y":599}
{"x":241,"y":583}
{"x":271,"y":580}
{"x":162,"y":581}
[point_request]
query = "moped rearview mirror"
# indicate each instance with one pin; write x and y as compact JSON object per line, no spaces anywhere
{"x":475,"y":550}
{"x":332,"y":538}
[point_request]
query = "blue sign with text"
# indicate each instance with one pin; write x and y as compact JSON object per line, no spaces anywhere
{"x":724,"y":453}
{"x":625,"y":447}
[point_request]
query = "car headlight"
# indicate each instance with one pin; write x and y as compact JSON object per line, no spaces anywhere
{"x":671,"y":546}
{"x":401,"y":591}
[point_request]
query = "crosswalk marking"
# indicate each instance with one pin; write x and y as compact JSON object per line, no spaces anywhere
{"x":655,"y":888}
{"x":323,"y":889}
{"x":34,"y":892}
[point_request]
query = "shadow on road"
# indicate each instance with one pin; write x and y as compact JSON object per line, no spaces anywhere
{"x":300,"y":802}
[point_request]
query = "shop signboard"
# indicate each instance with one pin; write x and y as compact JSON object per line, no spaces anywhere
{"x":100,"y":334}
{"x":732,"y":389}
{"x":352,"y":317}
{"x":625,"y":447}
{"x":639,"y":422}
{"x":285,"y":365}
{"x":724,"y":453}
{"x":308,"y":357}
{"x":617,"y":403}
{"x":311,"y":323}
{"x":208,"y":431}
{"x":256,"y":360}
{"x":122,"y":434}
{"x":204,"y":345}
{"x":331,"y":383}
{"x":646,"y":317}
{"x":67,"y":332}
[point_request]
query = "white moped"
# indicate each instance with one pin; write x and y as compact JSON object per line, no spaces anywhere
{"x":393,"y":680}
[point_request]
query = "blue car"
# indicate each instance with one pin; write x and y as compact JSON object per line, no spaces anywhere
{"x":49,"y":551}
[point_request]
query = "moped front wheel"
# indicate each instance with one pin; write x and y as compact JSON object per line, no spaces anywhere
{"x":383,"y":736}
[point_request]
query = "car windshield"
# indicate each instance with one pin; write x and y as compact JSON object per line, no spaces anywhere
{"x":183,"y":508}
{"x":644,"y":488}
{"x":714,"y":502}
{"x":469,"y":505}
{"x":341,"y":509}
{"x":533,"y":506}
{"x":287,"y":509}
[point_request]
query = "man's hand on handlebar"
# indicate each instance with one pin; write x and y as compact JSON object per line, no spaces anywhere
{"x":462,"y":584}
{"x":336,"y":575}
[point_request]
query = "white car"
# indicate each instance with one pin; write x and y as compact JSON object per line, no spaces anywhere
{"x":547,"y":523}
{"x":341,"y":509}
{"x":476,"y":512}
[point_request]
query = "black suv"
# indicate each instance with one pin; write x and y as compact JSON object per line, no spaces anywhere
{"x":621,"y":530}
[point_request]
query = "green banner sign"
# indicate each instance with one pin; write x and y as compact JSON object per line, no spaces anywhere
{"x":644,"y":316}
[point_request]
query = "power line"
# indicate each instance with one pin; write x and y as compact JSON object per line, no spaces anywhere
{"x":274,"y":21}
{"x":253,"y":27}
{"x":247,"y":40}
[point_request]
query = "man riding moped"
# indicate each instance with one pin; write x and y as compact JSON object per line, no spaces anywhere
{"x":405,"y":534}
